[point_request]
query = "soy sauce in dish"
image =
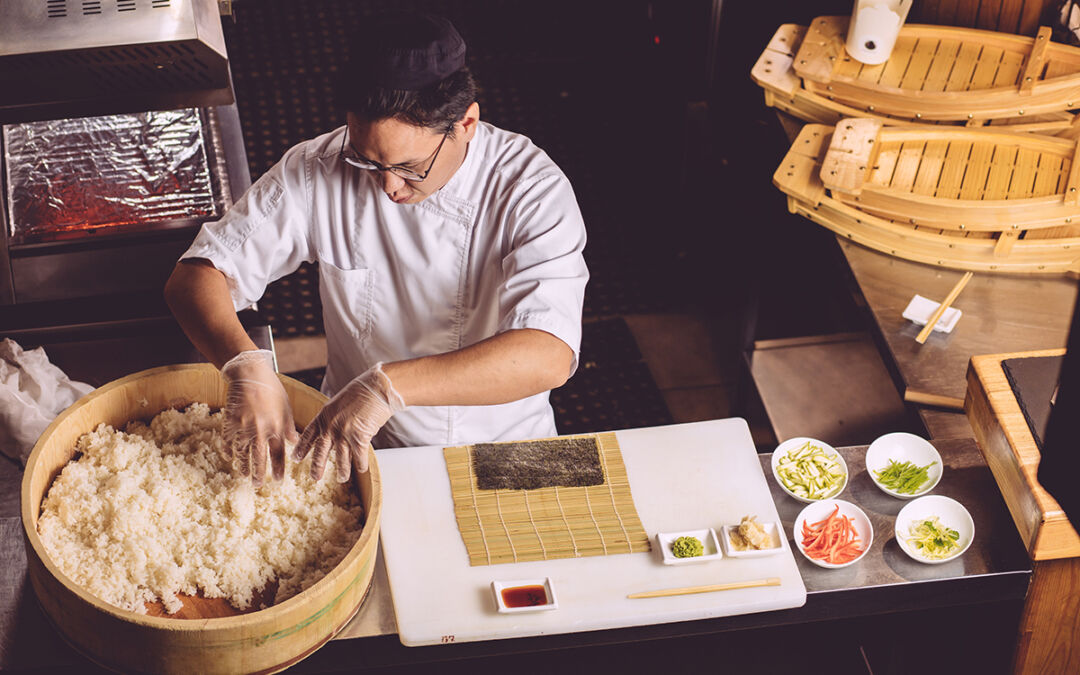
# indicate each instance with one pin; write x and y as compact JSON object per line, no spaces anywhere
{"x":524,"y":596}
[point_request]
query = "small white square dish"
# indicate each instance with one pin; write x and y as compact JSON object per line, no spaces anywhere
{"x":773,"y":531}
{"x":920,"y":309}
{"x":524,"y":595}
{"x":707,"y":537}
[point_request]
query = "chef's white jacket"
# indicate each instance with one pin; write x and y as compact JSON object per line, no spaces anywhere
{"x":499,"y":247}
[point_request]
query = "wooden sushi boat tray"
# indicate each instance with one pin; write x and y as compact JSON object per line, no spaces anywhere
{"x":968,"y":198}
{"x":935,"y":75}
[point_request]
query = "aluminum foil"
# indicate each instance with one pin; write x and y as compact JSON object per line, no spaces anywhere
{"x":106,"y":172}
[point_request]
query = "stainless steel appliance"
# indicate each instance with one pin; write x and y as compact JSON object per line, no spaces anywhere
{"x":75,"y":73}
{"x":73,"y":58}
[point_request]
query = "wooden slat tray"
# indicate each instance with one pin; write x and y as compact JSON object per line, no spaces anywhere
{"x":964,"y":198}
{"x":1010,"y":451}
{"x":815,"y":80}
{"x":944,"y":72}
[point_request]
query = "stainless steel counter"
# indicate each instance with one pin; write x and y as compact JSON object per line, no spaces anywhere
{"x":995,"y":568}
{"x":1001,"y":313}
{"x":996,"y":549}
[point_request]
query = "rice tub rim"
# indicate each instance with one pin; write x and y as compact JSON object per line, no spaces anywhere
{"x":371,"y":521}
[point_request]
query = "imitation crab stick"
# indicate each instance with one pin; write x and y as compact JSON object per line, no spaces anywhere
{"x":832,"y":539}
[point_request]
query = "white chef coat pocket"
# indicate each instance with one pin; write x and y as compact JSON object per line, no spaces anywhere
{"x":347,"y":298}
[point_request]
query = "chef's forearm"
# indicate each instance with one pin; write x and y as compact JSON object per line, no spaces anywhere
{"x":198,"y":296}
{"x":503,"y":368}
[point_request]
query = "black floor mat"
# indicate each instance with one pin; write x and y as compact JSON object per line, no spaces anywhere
{"x":620,"y":396}
{"x":538,"y":75}
{"x":292,"y":308}
{"x":312,"y":377}
{"x":612,"y":389}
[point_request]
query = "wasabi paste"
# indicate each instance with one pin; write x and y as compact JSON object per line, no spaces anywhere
{"x":687,"y":547}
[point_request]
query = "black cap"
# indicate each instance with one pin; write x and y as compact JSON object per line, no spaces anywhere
{"x":402,"y":50}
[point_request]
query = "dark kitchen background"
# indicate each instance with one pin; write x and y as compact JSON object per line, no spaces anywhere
{"x":649,"y":109}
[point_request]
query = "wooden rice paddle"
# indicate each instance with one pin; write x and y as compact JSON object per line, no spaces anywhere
{"x":688,"y":590}
{"x":949,"y":299}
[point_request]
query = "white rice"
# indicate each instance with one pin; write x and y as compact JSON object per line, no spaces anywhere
{"x":153,"y":511}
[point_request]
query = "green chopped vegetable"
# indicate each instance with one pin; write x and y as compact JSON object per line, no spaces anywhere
{"x":903,"y":477}
{"x":932,"y":539}
{"x":810,"y":473}
{"x":687,"y":547}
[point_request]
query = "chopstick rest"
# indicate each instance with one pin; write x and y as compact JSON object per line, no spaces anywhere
{"x":920,"y":309}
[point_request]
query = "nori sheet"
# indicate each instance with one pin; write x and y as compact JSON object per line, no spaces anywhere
{"x":529,"y":465}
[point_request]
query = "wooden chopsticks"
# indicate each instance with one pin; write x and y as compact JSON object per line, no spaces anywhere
{"x":688,"y":590}
{"x":949,"y":299}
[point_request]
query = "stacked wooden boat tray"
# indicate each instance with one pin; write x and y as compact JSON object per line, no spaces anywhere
{"x":959,"y":151}
{"x":936,"y":75}
{"x":974,"y":199}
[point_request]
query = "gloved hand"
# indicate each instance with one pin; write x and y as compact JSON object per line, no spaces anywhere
{"x":258,"y":417}
{"x":348,"y":422}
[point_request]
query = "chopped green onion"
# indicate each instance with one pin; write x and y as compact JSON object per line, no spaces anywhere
{"x":903,"y":477}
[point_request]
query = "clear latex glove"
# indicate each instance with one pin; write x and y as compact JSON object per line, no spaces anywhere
{"x":258,"y":417}
{"x":348,"y":422}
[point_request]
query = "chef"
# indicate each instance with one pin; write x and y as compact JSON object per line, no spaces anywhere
{"x":450,"y":267}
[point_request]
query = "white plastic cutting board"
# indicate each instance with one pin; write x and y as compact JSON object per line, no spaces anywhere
{"x":683,"y":477}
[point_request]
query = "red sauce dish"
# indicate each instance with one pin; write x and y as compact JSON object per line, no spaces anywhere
{"x":524,"y":595}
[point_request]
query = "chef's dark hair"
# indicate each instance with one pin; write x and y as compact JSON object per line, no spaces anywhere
{"x":437,"y":106}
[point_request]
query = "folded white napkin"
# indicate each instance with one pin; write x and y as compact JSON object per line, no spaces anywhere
{"x":32,"y":393}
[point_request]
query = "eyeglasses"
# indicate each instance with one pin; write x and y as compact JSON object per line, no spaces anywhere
{"x":353,"y":158}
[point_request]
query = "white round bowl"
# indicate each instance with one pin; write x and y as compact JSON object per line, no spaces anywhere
{"x":950,"y":512}
{"x":820,"y":510}
{"x":796,"y":443}
{"x":904,"y":447}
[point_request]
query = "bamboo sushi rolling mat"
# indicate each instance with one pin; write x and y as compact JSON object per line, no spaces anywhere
{"x":504,"y":525}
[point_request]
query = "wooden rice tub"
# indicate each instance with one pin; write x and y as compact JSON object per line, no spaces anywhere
{"x":262,"y":641}
{"x":971,"y":199}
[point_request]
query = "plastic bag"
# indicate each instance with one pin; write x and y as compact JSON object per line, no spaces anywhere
{"x":1067,"y":27}
{"x":32,"y":393}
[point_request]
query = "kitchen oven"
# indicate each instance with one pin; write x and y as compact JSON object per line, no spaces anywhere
{"x":120,"y":137}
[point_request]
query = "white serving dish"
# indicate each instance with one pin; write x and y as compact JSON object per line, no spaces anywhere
{"x":796,"y":443}
{"x":497,"y":588}
{"x":950,"y":512}
{"x":774,"y":532}
{"x":820,"y":510}
{"x":707,"y":537}
{"x":904,"y":447}
{"x":920,"y":309}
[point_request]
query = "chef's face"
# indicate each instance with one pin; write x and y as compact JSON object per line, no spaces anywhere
{"x":394,"y":143}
